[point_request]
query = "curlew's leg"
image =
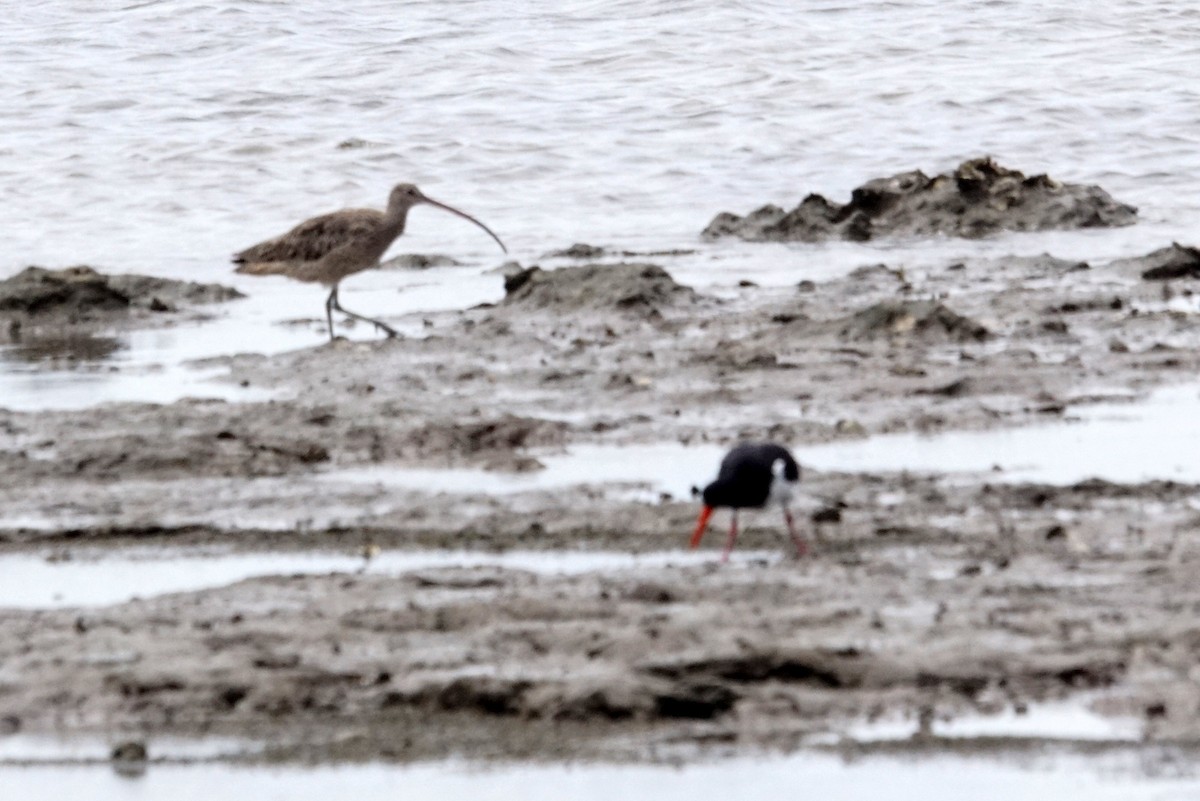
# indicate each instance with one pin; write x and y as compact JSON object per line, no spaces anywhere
{"x":387,"y":329}
{"x":801,"y":545}
{"x":732,"y":537}
{"x":329,"y":311}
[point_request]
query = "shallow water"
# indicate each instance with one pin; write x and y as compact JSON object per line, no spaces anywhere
{"x":159,"y":365}
{"x":660,"y":467}
{"x":1061,"y":721}
{"x":1064,"y":720}
{"x":807,"y":776}
{"x":108,"y":577}
{"x":162,"y":135}
{"x":33,"y":749}
{"x":1154,"y":438}
{"x":1157,"y":438}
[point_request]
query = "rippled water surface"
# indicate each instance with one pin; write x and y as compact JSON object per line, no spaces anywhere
{"x":160,"y":136}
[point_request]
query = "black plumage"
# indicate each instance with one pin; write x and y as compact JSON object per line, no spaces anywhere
{"x":751,"y":476}
{"x":745,"y":477}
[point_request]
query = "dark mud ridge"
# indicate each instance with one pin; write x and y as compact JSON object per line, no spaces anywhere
{"x":579,"y":250}
{"x":1165,"y":264}
{"x":79,"y":294}
{"x":582,"y":250}
{"x":979,"y":198}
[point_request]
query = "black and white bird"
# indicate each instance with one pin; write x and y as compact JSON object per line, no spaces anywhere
{"x":752,"y":476}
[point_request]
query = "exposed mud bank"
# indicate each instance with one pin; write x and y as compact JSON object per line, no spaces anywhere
{"x":927,"y":595}
{"x":979,"y":198}
{"x":213,"y":439}
{"x":68,"y":316}
{"x":624,"y":353}
{"x":438,"y":661}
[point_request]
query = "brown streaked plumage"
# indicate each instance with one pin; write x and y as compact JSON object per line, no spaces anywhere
{"x":328,"y":248}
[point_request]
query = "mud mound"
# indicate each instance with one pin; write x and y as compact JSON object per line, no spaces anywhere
{"x":979,"y":198}
{"x":1165,"y":264}
{"x":64,"y":349}
{"x":501,"y":435}
{"x":80,"y":292}
{"x":917,"y":319}
{"x":596,"y":286}
{"x":580,"y":250}
{"x":150,"y":292}
{"x":76,"y":290}
{"x":419,"y":261}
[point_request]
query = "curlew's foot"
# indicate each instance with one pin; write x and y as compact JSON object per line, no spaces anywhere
{"x":379,"y":324}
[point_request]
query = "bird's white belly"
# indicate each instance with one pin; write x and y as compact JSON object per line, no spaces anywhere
{"x":781,"y":493}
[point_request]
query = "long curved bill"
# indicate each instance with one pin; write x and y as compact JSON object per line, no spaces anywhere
{"x":466,"y":216}
{"x":701,"y":525}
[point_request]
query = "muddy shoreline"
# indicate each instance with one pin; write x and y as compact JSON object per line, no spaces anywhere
{"x":929,"y":596}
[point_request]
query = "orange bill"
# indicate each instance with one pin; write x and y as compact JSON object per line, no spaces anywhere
{"x":701,"y":525}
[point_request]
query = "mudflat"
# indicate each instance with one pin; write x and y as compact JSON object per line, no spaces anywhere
{"x":927,"y":596}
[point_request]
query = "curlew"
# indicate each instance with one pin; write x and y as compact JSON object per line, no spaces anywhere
{"x":326,"y":249}
{"x":752,"y":476}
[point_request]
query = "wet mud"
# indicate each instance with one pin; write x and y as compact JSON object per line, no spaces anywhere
{"x":65,"y":317}
{"x":903,"y":623}
{"x":926,"y":595}
{"x":977,"y":199}
{"x":924,"y":319}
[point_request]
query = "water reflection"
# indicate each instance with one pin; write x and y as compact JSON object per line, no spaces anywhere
{"x":1153,"y":775}
{"x":59,"y":350}
{"x":42,"y":369}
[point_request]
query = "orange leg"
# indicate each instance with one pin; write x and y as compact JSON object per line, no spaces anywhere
{"x":801,"y":545}
{"x":733,"y":532}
